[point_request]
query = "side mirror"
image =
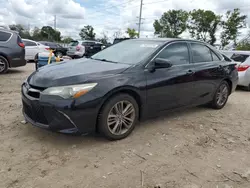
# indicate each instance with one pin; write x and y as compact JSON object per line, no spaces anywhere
{"x":162,"y":63}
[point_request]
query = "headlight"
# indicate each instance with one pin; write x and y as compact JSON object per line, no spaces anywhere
{"x":72,"y":91}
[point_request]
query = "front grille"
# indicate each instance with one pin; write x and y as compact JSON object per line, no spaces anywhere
{"x":35,"y":112}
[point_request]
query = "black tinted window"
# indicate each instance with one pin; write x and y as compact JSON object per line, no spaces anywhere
{"x":239,"y":57}
{"x":176,"y":53}
{"x":201,"y":53}
{"x":4,"y":36}
{"x":29,"y":43}
{"x":215,"y":57}
{"x":52,"y":45}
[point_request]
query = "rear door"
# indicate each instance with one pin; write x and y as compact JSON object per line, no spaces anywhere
{"x":31,"y":49}
{"x":209,"y":71}
{"x":169,"y":88}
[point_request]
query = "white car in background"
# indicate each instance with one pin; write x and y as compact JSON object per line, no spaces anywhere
{"x":32,"y":48}
{"x":242,"y":58}
{"x":76,"y":49}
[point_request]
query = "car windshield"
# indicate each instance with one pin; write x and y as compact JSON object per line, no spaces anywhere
{"x":129,"y":51}
{"x":74,"y":43}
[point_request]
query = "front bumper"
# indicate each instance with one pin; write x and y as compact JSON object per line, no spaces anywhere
{"x":59,"y":117}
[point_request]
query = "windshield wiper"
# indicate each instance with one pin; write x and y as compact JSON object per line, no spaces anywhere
{"x":105,"y":60}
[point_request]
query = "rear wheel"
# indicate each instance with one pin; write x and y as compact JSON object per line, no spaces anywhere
{"x":248,"y":88}
{"x":4,"y":65}
{"x":59,"y":54}
{"x":221,"y":96}
{"x":118,"y":117}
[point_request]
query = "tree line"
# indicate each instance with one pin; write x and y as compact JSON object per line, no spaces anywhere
{"x":202,"y":25}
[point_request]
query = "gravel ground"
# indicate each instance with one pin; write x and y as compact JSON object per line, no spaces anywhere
{"x":194,"y":148}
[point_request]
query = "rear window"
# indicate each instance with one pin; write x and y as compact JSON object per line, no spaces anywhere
{"x":73,"y":43}
{"x":239,"y":57}
{"x":29,"y":43}
{"x":4,"y":36}
{"x":119,"y":40}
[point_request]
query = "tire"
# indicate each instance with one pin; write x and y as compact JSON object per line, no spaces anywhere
{"x":4,"y":65}
{"x":108,"y":110}
{"x":60,"y":54}
{"x":248,"y":88}
{"x":36,"y":61}
{"x":220,"y":100}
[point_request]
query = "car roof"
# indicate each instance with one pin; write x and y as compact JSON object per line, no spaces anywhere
{"x":237,"y":52}
{"x":29,"y":40}
{"x":86,"y":41}
{"x":49,"y":42}
{"x":8,"y":30}
{"x":168,"y":40}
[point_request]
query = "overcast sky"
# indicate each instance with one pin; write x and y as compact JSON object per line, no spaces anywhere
{"x":104,"y":15}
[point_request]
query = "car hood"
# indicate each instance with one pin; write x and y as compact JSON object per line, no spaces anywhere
{"x":74,"y":72}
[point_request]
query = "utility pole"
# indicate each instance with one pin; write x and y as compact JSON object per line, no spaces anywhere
{"x":54,"y":22}
{"x":139,"y":27}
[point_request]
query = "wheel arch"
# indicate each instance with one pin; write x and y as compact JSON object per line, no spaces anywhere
{"x":230,"y":83}
{"x":6,"y":57}
{"x":130,"y":90}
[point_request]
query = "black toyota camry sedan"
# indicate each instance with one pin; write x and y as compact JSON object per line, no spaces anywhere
{"x":127,"y":82}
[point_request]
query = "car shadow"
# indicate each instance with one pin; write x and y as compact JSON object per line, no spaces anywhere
{"x":14,"y":71}
{"x":175,"y":114}
{"x":60,"y":140}
{"x":241,"y":88}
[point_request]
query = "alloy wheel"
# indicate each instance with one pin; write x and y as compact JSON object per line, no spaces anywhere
{"x":222,"y":95}
{"x":121,"y":117}
{"x":59,"y":54}
{"x":2,"y":65}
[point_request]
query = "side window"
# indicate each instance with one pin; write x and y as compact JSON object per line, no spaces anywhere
{"x":29,"y":43}
{"x":201,"y":53}
{"x":214,"y":56}
{"x":85,"y":43}
{"x":4,"y":36}
{"x":177,"y":53}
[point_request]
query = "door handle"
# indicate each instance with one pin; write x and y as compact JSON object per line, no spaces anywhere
{"x":190,"y":72}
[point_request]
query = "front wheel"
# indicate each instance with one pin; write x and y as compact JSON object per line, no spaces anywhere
{"x":4,"y":66}
{"x":118,"y":117}
{"x":221,"y":96}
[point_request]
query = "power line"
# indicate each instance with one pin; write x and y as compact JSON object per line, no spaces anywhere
{"x":153,"y":2}
{"x":129,"y":1}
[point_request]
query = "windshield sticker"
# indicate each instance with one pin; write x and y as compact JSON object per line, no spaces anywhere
{"x":148,"y":45}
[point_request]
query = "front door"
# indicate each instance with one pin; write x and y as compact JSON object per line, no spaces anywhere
{"x":169,"y":88}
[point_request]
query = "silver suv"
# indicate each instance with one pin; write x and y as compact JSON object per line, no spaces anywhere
{"x":12,"y":50}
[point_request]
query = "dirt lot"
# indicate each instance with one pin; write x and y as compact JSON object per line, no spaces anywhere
{"x":194,"y":148}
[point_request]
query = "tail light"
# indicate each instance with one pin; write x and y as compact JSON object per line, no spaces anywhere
{"x":21,"y":45}
{"x":243,"y":67}
{"x":47,"y":48}
{"x":78,"y":48}
{"x":20,"y":42}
